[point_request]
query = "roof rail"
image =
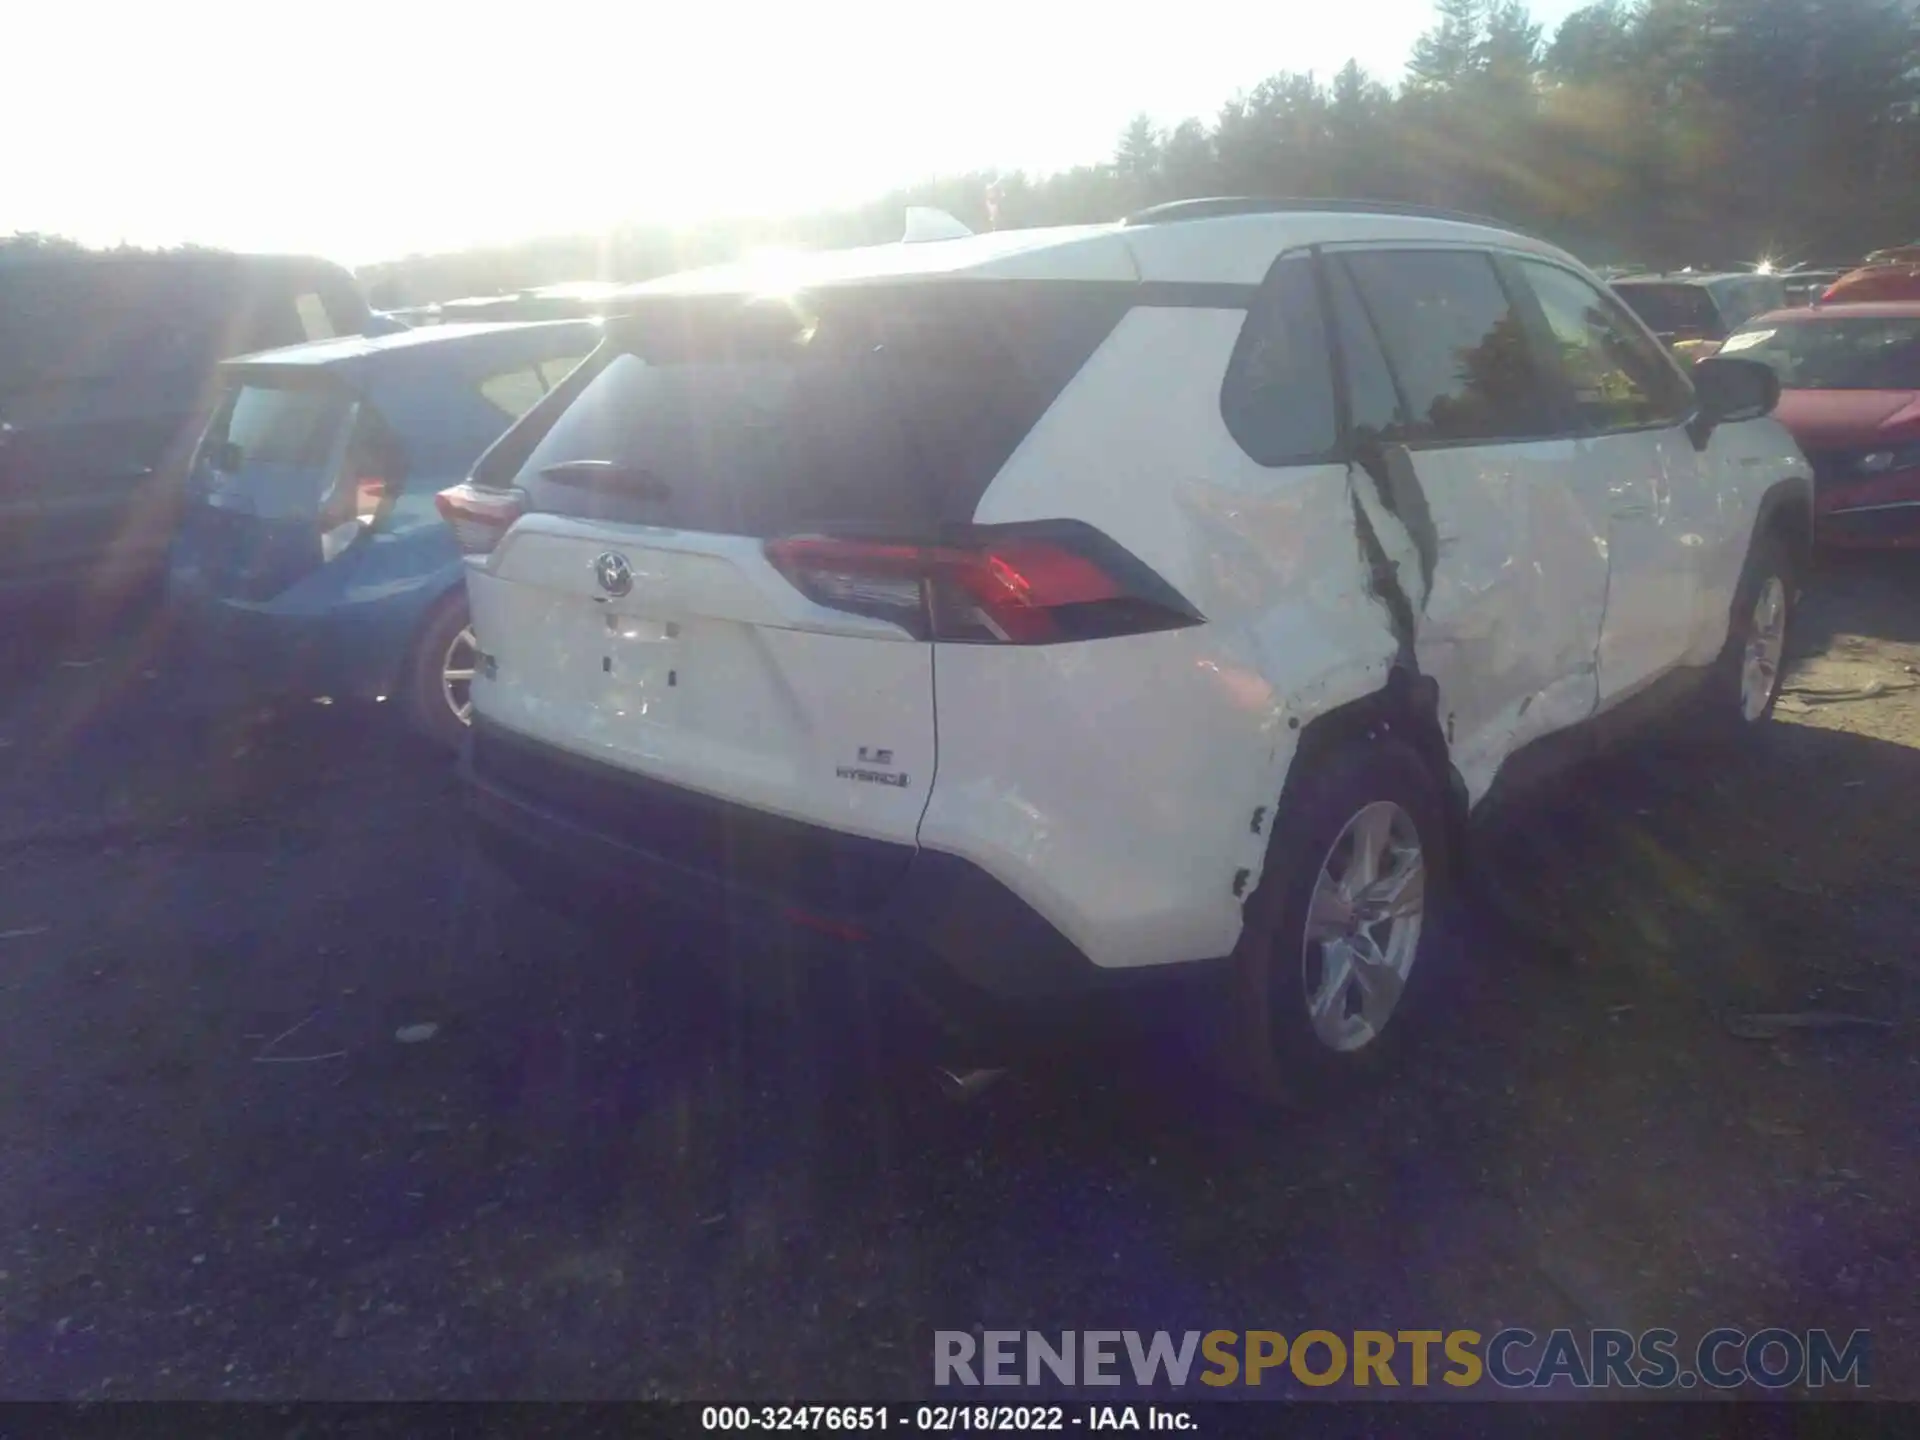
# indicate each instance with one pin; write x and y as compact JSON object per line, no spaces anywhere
{"x":1223,"y":205}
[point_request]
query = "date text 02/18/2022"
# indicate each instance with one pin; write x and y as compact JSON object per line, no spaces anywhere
{"x":942,"y":1419}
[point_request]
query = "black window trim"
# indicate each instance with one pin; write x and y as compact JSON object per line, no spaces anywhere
{"x":1337,"y":358}
{"x":1540,"y":332}
{"x":1325,"y":264}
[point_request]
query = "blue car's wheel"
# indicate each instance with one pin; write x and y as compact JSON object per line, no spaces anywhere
{"x":440,"y":685}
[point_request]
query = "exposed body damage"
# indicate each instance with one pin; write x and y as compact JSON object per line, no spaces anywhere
{"x":1490,"y":582}
{"x":1496,"y":591}
{"x":1293,"y":631}
{"x":1076,"y":574}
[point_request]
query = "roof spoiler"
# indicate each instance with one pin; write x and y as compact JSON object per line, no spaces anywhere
{"x":924,"y":222}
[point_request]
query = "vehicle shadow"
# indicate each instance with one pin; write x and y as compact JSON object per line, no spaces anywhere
{"x":587,"y":1170}
{"x":1868,"y":594}
{"x":598,"y":1175}
{"x":793,"y":1159}
{"x":120,"y":741}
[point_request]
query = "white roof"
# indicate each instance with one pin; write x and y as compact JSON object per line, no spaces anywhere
{"x":1228,"y":249}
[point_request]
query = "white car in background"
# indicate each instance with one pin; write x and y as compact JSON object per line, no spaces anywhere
{"x":1147,"y":601}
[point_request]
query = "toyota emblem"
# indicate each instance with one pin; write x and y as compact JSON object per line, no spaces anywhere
{"x":614,"y":572}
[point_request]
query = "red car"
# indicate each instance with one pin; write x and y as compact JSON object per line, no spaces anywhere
{"x":1850,"y":394}
{"x":1890,"y":279}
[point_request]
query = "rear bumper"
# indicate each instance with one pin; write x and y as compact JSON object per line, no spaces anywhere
{"x":595,"y":840}
{"x":242,"y":650}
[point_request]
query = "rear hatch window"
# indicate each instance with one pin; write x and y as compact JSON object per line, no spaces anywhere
{"x":882,"y":407}
{"x":282,"y":471}
{"x":273,"y":449}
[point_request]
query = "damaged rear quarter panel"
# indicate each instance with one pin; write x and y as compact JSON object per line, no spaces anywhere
{"x":1113,"y":783}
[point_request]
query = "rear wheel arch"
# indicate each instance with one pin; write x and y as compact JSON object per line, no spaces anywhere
{"x":1405,"y":708}
{"x":1786,"y":511}
{"x":1384,"y":746}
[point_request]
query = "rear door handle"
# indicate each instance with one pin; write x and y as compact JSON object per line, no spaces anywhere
{"x":1633,"y":512}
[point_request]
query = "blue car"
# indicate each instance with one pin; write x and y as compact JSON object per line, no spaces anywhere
{"x":310,"y":558}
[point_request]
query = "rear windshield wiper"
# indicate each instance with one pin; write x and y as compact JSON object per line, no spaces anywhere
{"x":608,"y":475}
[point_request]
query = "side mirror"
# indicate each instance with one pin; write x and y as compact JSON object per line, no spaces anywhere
{"x":1730,"y":391}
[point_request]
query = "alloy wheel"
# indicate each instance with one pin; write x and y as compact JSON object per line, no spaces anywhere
{"x":1766,"y":642}
{"x":1363,"y":926}
{"x":456,"y":675}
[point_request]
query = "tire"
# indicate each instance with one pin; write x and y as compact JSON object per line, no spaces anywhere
{"x":1745,"y":684}
{"x":429,"y":710}
{"x":1265,"y":1042}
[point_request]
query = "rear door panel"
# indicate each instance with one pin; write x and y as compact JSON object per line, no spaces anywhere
{"x":1510,"y":628}
{"x":1509,"y":625}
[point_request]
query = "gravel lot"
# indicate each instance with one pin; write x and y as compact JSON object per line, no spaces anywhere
{"x":221,"y":1174}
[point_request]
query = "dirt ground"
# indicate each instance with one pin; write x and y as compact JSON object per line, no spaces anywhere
{"x":222,"y":1175}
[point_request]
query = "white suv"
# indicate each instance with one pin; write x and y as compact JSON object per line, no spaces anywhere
{"x":1048,"y":608}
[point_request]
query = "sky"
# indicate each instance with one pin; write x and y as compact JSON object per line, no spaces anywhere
{"x":365,"y":131}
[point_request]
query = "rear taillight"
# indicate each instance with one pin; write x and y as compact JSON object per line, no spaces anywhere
{"x":351,"y":515}
{"x":1007,"y":585}
{"x":479,"y":517}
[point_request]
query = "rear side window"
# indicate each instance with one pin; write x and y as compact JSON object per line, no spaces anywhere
{"x":514,"y":392}
{"x":1277,"y":398}
{"x":879,"y":407}
{"x":1619,"y":378}
{"x":1457,"y":345}
{"x":552,"y":372}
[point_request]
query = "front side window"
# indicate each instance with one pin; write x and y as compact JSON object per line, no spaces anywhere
{"x":1457,"y":345}
{"x":1277,"y":398}
{"x":1619,"y":378}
